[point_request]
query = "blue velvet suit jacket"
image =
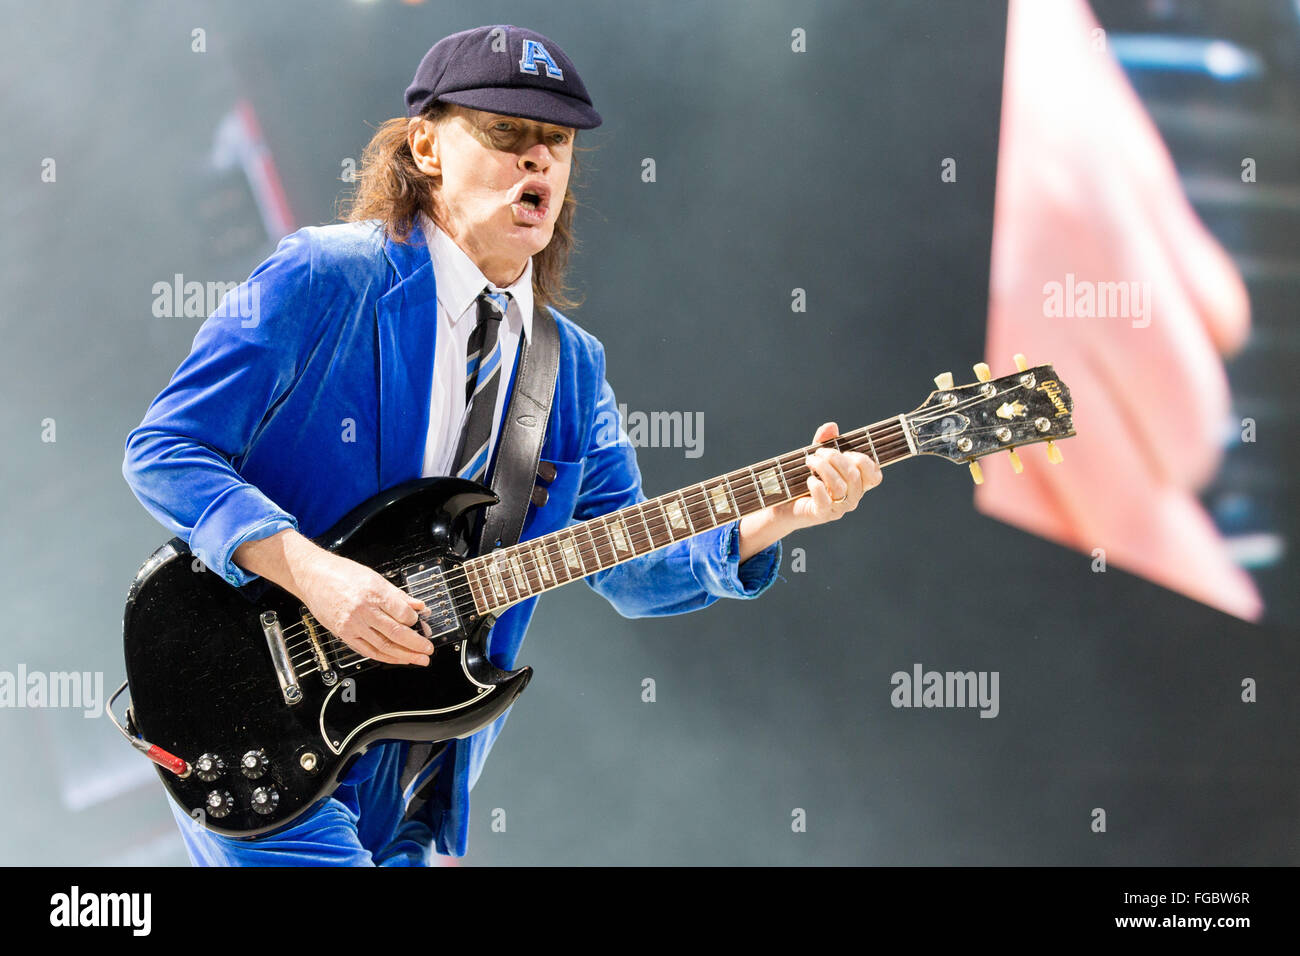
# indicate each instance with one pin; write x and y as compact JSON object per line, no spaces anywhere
{"x":308,"y":392}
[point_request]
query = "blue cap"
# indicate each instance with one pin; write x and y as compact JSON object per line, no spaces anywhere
{"x":503,"y":69}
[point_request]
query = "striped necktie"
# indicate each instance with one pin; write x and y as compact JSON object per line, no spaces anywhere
{"x":482,"y":375}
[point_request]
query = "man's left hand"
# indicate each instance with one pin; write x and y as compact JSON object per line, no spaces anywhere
{"x":840,"y":479}
{"x":838,"y":482}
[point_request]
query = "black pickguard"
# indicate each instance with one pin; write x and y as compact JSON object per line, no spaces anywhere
{"x":202,"y":679}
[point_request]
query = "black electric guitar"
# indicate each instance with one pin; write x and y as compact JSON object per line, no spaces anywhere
{"x":253,"y":711}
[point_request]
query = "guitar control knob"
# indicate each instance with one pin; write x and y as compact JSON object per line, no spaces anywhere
{"x":218,"y":804}
{"x":253,"y":764}
{"x":209,"y":767}
{"x":265,"y":800}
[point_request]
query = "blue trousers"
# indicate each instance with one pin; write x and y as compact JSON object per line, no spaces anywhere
{"x":360,"y":825}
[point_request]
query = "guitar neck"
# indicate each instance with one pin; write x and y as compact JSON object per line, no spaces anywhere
{"x":508,"y":575}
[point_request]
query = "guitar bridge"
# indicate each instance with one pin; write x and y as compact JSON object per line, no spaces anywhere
{"x":430,"y":586}
{"x":284,"y":671}
{"x":327,"y":675}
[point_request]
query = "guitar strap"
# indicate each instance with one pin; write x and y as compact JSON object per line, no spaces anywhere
{"x":519,"y":446}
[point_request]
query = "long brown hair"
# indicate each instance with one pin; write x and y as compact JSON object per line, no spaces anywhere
{"x":392,"y":189}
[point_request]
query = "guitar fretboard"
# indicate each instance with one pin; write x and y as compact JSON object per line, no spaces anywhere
{"x":507,"y":575}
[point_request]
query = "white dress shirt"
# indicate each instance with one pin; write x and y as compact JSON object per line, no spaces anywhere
{"x":459,"y":283}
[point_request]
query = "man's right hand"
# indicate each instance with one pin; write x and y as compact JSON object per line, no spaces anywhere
{"x":353,"y":602}
{"x":362,"y":609}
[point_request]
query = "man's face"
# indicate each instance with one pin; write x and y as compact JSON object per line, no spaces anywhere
{"x":503,"y":184}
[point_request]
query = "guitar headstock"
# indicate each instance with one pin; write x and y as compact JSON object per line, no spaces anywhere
{"x":964,"y":423}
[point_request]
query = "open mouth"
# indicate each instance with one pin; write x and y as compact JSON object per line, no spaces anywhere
{"x":532,"y":204}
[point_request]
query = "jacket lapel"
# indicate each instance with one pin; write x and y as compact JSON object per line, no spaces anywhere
{"x":406,"y":320}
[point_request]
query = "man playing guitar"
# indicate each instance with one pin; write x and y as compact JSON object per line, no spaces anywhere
{"x":352,"y":379}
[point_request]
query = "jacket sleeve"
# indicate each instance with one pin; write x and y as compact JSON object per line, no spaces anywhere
{"x":685,"y":576}
{"x":180,"y":461}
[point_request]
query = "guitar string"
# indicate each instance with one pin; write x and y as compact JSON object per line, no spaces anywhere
{"x":360,"y":662}
{"x":895,"y":442}
{"x":853,"y":440}
{"x":305,"y":651}
{"x":348,"y":655}
{"x":742,"y":500}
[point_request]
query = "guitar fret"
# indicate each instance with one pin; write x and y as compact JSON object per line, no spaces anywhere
{"x":572,"y":559}
{"x":751,"y":487}
{"x":656,"y":522}
{"x":600,"y":542}
{"x":698,"y":508}
{"x":780,"y":473}
{"x":502,"y":566}
{"x":531,"y":575}
{"x":476,"y":586}
{"x":619,"y":535}
{"x":731,"y":494}
{"x":543,"y":565}
{"x":649,"y":538}
{"x":591,"y":550}
{"x":794,"y":472}
{"x":720,"y":501}
{"x":608,"y":553}
{"x":485,"y":585}
{"x":678,"y":519}
{"x":766,"y":483}
{"x":872,"y":443}
{"x":580,"y":549}
{"x":509,"y":572}
{"x":550,"y":547}
{"x":468,"y":571}
{"x":494,"y":579}
{"x":471,"y":578}
{"x":566,"y":555}
{"x":518,"y":574}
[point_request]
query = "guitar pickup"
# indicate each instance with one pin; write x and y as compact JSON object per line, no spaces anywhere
{"x":429,"y":585}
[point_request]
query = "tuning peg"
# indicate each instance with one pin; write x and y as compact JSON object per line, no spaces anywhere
{"x":1021,"y":364}
{"x":944,"y":381}
{"x":1054,"y":453}
{"x":982,"y":372}
{"x":1016,"y":465}
{"x":977,"y":472}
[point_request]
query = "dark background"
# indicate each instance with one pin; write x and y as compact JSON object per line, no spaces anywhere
{"x":775,"y":170}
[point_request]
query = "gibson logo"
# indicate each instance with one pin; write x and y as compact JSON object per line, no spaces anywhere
{"x":1053,"y":390}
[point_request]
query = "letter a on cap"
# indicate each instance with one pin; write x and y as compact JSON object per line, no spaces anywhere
{"x":533,"y":52}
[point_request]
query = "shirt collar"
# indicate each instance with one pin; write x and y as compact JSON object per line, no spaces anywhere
{"x":460,"y":281}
